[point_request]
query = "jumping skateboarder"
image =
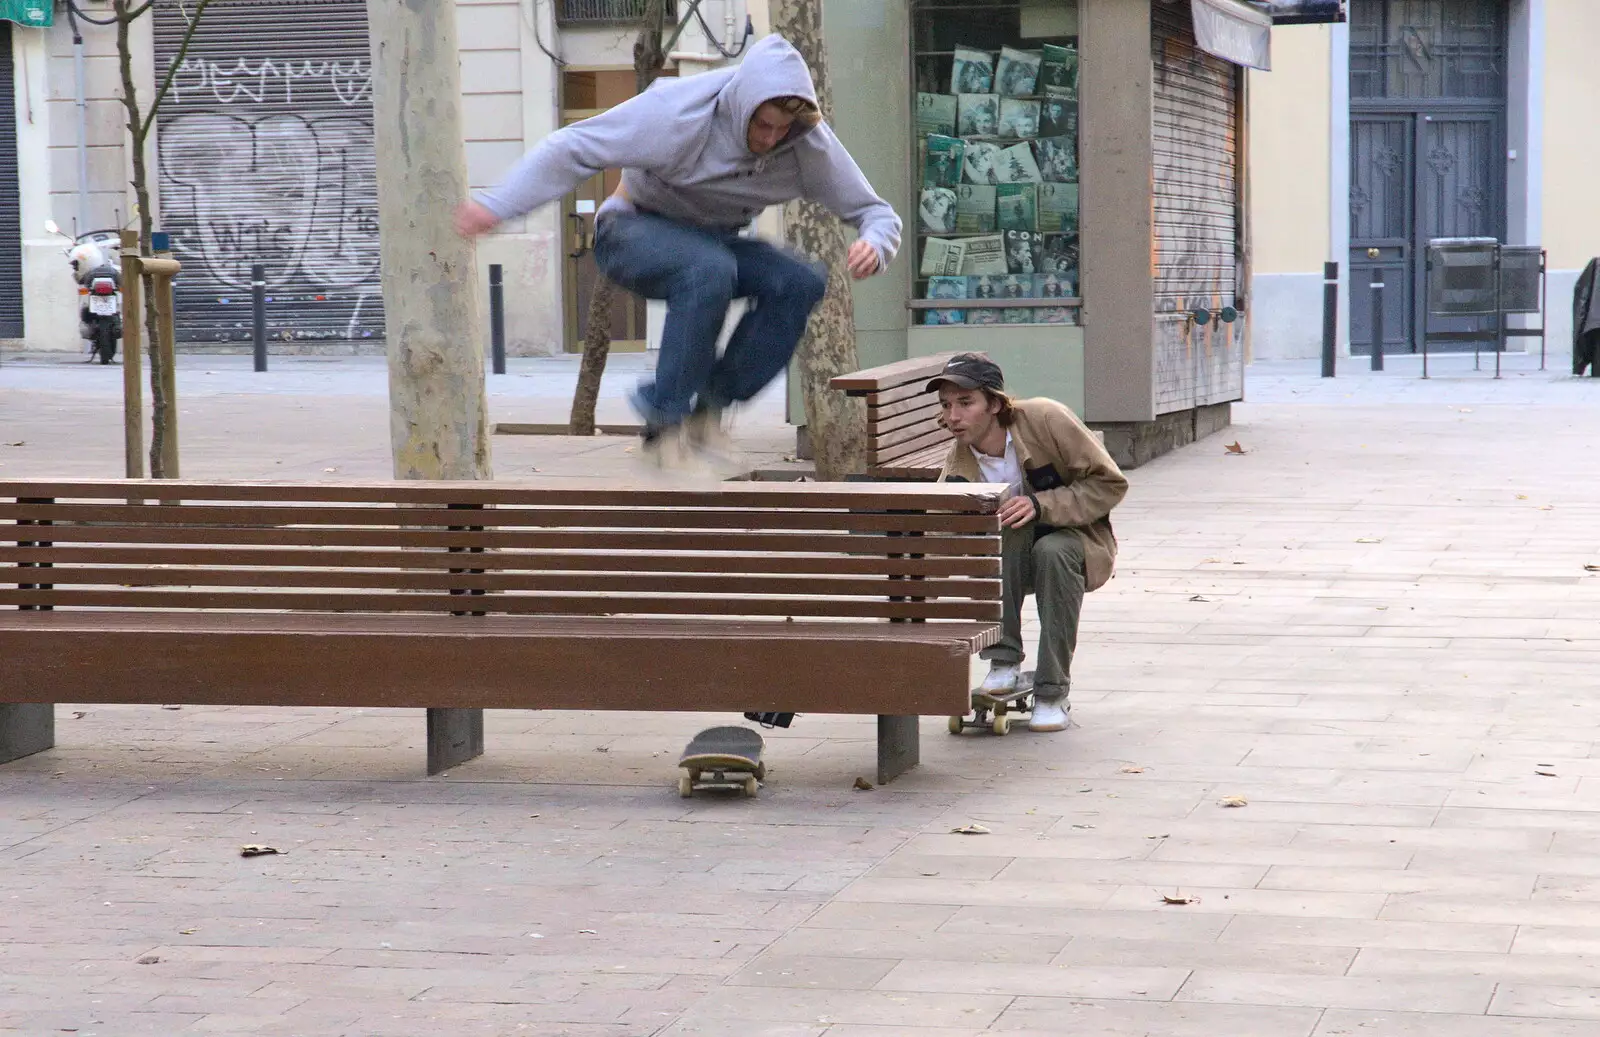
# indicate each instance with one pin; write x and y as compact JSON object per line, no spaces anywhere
{"x":701,"y":157}
{"x":1057,"y":543}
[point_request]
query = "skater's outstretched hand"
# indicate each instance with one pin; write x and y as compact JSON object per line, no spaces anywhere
{"x":473,"y":219}
{"x":862,"y":260}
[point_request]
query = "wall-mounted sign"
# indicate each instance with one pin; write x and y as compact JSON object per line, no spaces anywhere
{"x":36,"y":13}
{"x":1234,"y":31}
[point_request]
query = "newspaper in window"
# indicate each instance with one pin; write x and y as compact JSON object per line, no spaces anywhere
{"x":1058,"y":207}
{"x":975,"y":209}
{"x":1058,"y":159}
{"x":978,"y":115}
{"x":986,"y":254}
{"x":972,"y":72}
{"x":1017,"y":206}
{"x":1017,"y":166}
{"x":980,"y":164}
{"x":943,"y":257}
{"x":1018,"y":71}
{"x":1058,"y":255}
{"x":1058,"y":117}
{"x":1054,"y":286}
{"x":936,"y":113}
{"x":941,"y":164}
{"x":1058,"y":71}
{"x":937,"y":213}
{"x":986,"y":286}
{"x":1022,"y":251}
{"x":1018,"y":118}
{"x":946,"y":288}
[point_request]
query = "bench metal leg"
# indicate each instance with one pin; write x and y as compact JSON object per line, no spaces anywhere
{"x":898,"y":747}
{"x":454,"y":737}
{"x":26,"y":728}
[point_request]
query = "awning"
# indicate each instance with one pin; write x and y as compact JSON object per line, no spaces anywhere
{"x":1304,"y":12}
{"x":1234,"y":31}
{"x":34,"y":13}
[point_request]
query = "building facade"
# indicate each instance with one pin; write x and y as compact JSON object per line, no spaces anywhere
{"x":1420,"y":119}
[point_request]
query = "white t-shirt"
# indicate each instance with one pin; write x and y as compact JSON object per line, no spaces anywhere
{"x":1003,"y":469}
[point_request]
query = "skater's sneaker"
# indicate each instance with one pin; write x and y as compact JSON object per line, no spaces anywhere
{"x":668,"y":450}
{"x":1002,"y":679}
{"x":707,"y":429}
{"x":1049,"y":715}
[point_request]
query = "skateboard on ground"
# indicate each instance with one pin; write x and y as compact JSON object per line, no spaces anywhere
{"x":722,"y":758}
{"x":995,"y":711}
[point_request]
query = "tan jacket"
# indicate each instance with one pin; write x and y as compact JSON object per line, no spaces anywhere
{"x":1068,"y":473}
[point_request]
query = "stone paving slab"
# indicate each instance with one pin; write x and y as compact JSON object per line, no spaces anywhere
{"x":1391,"y":661}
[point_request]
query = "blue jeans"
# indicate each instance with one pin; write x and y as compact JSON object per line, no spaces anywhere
{"x":699,"y":272}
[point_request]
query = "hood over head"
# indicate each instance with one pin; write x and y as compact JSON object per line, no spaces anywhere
{"x":772,"y":69}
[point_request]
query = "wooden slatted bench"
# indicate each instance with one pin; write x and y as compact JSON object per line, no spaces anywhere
{"x":904,"y":438}
{"x":456,"y":597}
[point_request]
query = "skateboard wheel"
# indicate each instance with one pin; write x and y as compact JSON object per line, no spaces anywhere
{"x":751,"y":786}
{"x":685,"y":787}
{"x":1001,"y":725}
{"x":957,"y":725}
{"x":761,"y":772}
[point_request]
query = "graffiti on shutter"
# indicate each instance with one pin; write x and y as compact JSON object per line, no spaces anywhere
{"x":266,"y":156}
{"x":1197,"y":218}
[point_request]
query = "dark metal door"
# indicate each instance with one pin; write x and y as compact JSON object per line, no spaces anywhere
{"x":1382,"y":226}
{"x":1427,"y":148}
{"x":10,"y":199}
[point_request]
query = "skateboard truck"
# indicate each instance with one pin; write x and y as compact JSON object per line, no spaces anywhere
{"x":995,"y":712}
{"x":771,"y":720}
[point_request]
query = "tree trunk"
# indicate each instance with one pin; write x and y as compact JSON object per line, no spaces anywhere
{"x":838,"y":423}
{"x":648,"y":59}
{"x":438,"y":417}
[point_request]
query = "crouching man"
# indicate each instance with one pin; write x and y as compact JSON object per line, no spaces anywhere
{"x":1060,"y":488}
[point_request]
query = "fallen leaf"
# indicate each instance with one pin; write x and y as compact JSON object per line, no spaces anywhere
{"x":1232,"y":801}
{"x":972,"y":829}
{"x":587,"y":932}
{"x":187,"y":932}
{"x":1522,"y":496}
{"x":1083,"y":826}
{"x":1234,"y":448}
{"x":79,"y":714}
{"x":330,"y":469}
{"x":927,"y":874}
{"x":1131,"y":769}
{"x":254,"y":850}
{"x":863,"y":785}
{"x":1545,"y":772}
{"x":149,"y":959}
{"x":20,"y":442}
{"x":1369,"y":540}
{"x":173,"y":708}
{"x":1178,"y":898}
{"x":601,"y":749}
{"x":1199,"y":597}
{"x":1592,"y":568}
{"x":1547,"y":507}
{"x":1210,"y":561}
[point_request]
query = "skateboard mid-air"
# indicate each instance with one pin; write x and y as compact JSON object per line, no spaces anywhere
{"x":723,"y":758}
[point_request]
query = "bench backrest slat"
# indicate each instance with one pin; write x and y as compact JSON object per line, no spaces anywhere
{"x":846,"y":551}
{"x":904,"y":437}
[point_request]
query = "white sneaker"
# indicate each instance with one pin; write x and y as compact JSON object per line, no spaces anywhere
{"x":1002,"y":679}
{"x":1049,"y":715}
{"x":707,"y":429}
{"x":670,"y":451}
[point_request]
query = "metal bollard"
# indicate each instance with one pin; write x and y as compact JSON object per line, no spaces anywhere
{"x":497,"y":317}
{"x":258,"y":311}
{"x":1330,"y":318}
{"x":1377,"y":319}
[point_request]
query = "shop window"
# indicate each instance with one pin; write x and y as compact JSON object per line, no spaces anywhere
{"x":996,"y":131}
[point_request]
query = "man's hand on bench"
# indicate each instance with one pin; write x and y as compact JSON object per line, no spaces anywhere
{"x":1018,"y":512}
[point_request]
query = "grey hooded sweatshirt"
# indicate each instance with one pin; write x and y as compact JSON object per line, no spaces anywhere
{"x":683,"y":149}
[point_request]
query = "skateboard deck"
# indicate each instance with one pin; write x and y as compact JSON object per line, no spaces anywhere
{"x":723,"y":757}
{"x":995,"y":711}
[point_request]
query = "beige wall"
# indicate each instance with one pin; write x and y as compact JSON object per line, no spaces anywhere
{"x":1571,"y":147}
{"x":1289,"y":142}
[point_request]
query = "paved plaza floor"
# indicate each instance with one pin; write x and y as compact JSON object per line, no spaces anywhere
{"x":1374,"y":627}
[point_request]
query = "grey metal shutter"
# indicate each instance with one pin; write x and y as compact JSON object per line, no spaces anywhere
{"x":266,"y":156}
{"x":10,"y":198}
{"x":1197,"y":218}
